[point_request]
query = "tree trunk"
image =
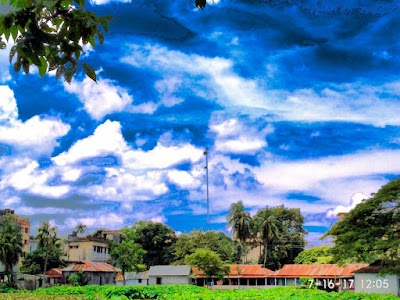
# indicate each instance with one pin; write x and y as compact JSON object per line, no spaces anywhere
{"x":265,"y":253}
{"x":45,"y":267}
{"x":123,"y":278}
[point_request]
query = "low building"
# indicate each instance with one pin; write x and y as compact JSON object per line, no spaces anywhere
{"x":88,"y":249}
{"x":133,"y":279}
{"x":163,"y":275}
{"x":98,"y":272}
{"x":54,"y":276}
{"x":239,"y":275}
{"x":368,"y":280}
{"x":330,"y":277}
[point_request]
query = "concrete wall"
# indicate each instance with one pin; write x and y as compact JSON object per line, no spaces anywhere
{"x":133,"y":282}
{"x":170,"y":280}
{"x":372,"y":283}
{"x":85,"y":250}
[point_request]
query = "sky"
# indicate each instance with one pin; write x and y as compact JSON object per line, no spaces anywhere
{"x":296,"y":102}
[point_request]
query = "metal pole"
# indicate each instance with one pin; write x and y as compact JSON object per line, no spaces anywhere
{"x":208,"y":199}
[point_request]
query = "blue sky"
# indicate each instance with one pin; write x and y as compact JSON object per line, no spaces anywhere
{"x":297,"y":103}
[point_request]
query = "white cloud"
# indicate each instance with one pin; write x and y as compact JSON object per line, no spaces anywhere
{"x":101,"y":98}
{"x":5,"y":62}
{"x":350,"y":102}
{"x":8,"y":105}
{"x":355,"y":199}
{"x":184,"y":180}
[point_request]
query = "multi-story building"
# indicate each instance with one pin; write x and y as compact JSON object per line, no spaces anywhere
{"x":92,"y":247}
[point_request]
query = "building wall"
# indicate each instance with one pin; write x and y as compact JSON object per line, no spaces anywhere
{"x":99,"y":278}
{"x":373,"y":283}
{"x":133,"y":282}
{"x":170,"y":280}
{"x":87,"y":250}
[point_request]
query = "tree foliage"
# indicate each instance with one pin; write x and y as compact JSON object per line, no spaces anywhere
{"x":49,"y":34}
{"x":315,"y":255}
{"x":228,"y":250}
{"x":48,"y":242}
{"x":33,"y":263}
{"x":209,"y":262}
{"x":127,"y":254}
{"x":157,"y":240}
{"x":370,"y":232}
{"x":10,"y":245}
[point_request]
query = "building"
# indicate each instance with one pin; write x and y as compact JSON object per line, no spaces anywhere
{"x":133,"y":279}
{"x":163,"y":275}
{"x":368,"y":280}
{"x":239,"y":275}
{"x":98,"y":272}
{"x":330,"y":277}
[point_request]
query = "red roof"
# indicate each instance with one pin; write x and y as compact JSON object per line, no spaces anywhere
{"x":55,"y":272}
{"x":318,"y":270}
{"x":245,"y":271}
{"x":90,"y":266}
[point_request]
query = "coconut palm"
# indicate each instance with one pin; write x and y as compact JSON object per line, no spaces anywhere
{"x":80,"y":228}
{"x":240,"y":222}
{"x":267,"y":228}
{"x":10,"y":246}
{"x":47,"y":240}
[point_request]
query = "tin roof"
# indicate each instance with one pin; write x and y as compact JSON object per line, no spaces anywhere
{"x":318,"y":270}
{"x":54,"y":272}
{"x":90,"y":266}
{"x":244,"y":271}
{"x":182,"y":270}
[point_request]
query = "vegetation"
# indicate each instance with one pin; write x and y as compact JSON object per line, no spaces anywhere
{"x":127,"y":254}
{"x":209,"y":262}
{"x":10,"y":246}
{"x":50,"y":34}
{"x":228,"y":250}
{"x":79,"y":278}
{"x":157,"y":240}
{"x":315,"y":255}
{"x":370,"y":232}
{"x":188,"y":292}
{"x":48,"y":243}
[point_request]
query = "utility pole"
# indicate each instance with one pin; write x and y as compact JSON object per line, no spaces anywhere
{"x":208,"y":199}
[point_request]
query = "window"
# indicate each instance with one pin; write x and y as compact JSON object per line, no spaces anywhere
{"x":158,"y":280}
{"x":140,"y":280}
{"x":94,"y":248}
{"x":25,"y":242}
{"x":26,"y":229}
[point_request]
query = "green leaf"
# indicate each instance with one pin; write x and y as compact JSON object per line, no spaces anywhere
{"x":101,"y":37}
{"x":14,"y":32}
{"x":92,"y":41}
{"x":81,"y":3}
{"x":60,"y":71}
{"x":104,"y":22}
{"x":90,"y":72}
{"x":2,"y":45}
{"x":25,"y":66}
{"x":43,"y":67}
{"x":201,"y":4}
{"x":17,"y":67}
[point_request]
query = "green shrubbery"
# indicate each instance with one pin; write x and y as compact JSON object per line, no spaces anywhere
{"x":181,"y":292}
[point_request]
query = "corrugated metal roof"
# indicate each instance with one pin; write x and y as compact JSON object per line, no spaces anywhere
{"x":54,"y":272}
{"x":182,"y":270}
{"x":318,"y":270}
{"x":90,"y":266}
{"x":244,"y":271}
{"x":131,"y":276}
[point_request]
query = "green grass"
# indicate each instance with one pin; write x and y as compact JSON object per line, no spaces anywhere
{"x":182,"y":292}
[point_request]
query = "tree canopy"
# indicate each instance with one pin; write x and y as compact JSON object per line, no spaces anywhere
{"x":209,"y":262}
{"x":370,"y":232}
{"x":50,"y":34}
{"x":315,"y":255}
{"x":10,"y":246}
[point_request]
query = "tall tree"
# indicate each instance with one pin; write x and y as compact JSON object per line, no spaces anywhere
{"x":315,"y":255}
{"x":127,"y":254}
{"x":240,"y":222}
{"x":47,"y":241}
{"x":267,"y":227}
{"x":209,"y":262}
{"x":10,"y":246}
{"x":157,"y":240}
{"x":370,"y":232}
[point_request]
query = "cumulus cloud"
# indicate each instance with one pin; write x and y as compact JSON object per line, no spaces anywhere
{"x":355,"y":199}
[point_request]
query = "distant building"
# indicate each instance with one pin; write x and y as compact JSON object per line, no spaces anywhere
{"x":133,"y":279}
{"x":23,"y":223}
{"x":98,"y":272}
{"x":163,"y":275}
{"x":92,"y":247}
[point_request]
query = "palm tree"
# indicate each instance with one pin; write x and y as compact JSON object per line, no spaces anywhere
{"x":267,"y":227}
{"x":10,"y":246}
{"x":80,"y":228}
{"x":240,"y":222}
{"x":47,"y":239}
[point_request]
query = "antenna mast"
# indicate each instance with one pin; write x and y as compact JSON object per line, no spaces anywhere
{"x":208,"y":199}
